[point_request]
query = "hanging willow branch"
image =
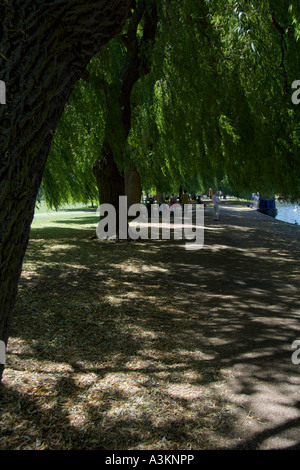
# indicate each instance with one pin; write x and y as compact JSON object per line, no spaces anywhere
{"x":282,"y":33}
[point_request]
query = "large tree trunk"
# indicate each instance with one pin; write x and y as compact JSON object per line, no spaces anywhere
{"x":133,"y":186}
{"x":136,"y":65}
{"x":109,"y":180}
{"x":45,"y":46}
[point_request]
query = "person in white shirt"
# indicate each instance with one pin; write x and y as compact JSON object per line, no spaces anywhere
{"x":216,"y":203}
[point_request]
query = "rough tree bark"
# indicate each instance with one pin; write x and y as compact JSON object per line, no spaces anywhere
{"x":44,"y":48}
{"x":136,"y":65}
{"x":133,"y":185}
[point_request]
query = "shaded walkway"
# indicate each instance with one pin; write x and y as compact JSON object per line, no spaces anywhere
{"x":246,"y":292}
{"x":145,"y":345}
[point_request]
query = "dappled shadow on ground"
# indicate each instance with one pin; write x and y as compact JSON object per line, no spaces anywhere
{"x":146,"y":345}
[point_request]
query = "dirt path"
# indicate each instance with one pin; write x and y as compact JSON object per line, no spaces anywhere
{"x":244,"y":285}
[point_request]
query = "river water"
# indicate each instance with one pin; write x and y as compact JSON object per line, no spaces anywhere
{"x":288,"y":212}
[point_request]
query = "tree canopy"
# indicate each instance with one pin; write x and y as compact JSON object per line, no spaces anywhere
{"x":215,"y":109}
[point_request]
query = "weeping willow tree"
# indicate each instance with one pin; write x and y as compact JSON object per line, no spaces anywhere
{"x":221,"y":111}
{"x":94,"y":129}
{"x":68,"y":177}
{"x":214,"y":108}
{"x":172,"y":121}
{"x":266,"y":63}
{"x":138,"y":41}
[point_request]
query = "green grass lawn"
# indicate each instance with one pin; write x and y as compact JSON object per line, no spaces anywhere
{"x":77,"y":215}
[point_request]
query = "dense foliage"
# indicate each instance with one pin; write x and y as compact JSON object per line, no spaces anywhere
{"x":215,"y":111}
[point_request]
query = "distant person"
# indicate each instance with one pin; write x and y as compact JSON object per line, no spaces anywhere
{"x":199,"y":201}
{"x":185,"y":198}
{"x":173,"y":199}
{"x":216,"y":204}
